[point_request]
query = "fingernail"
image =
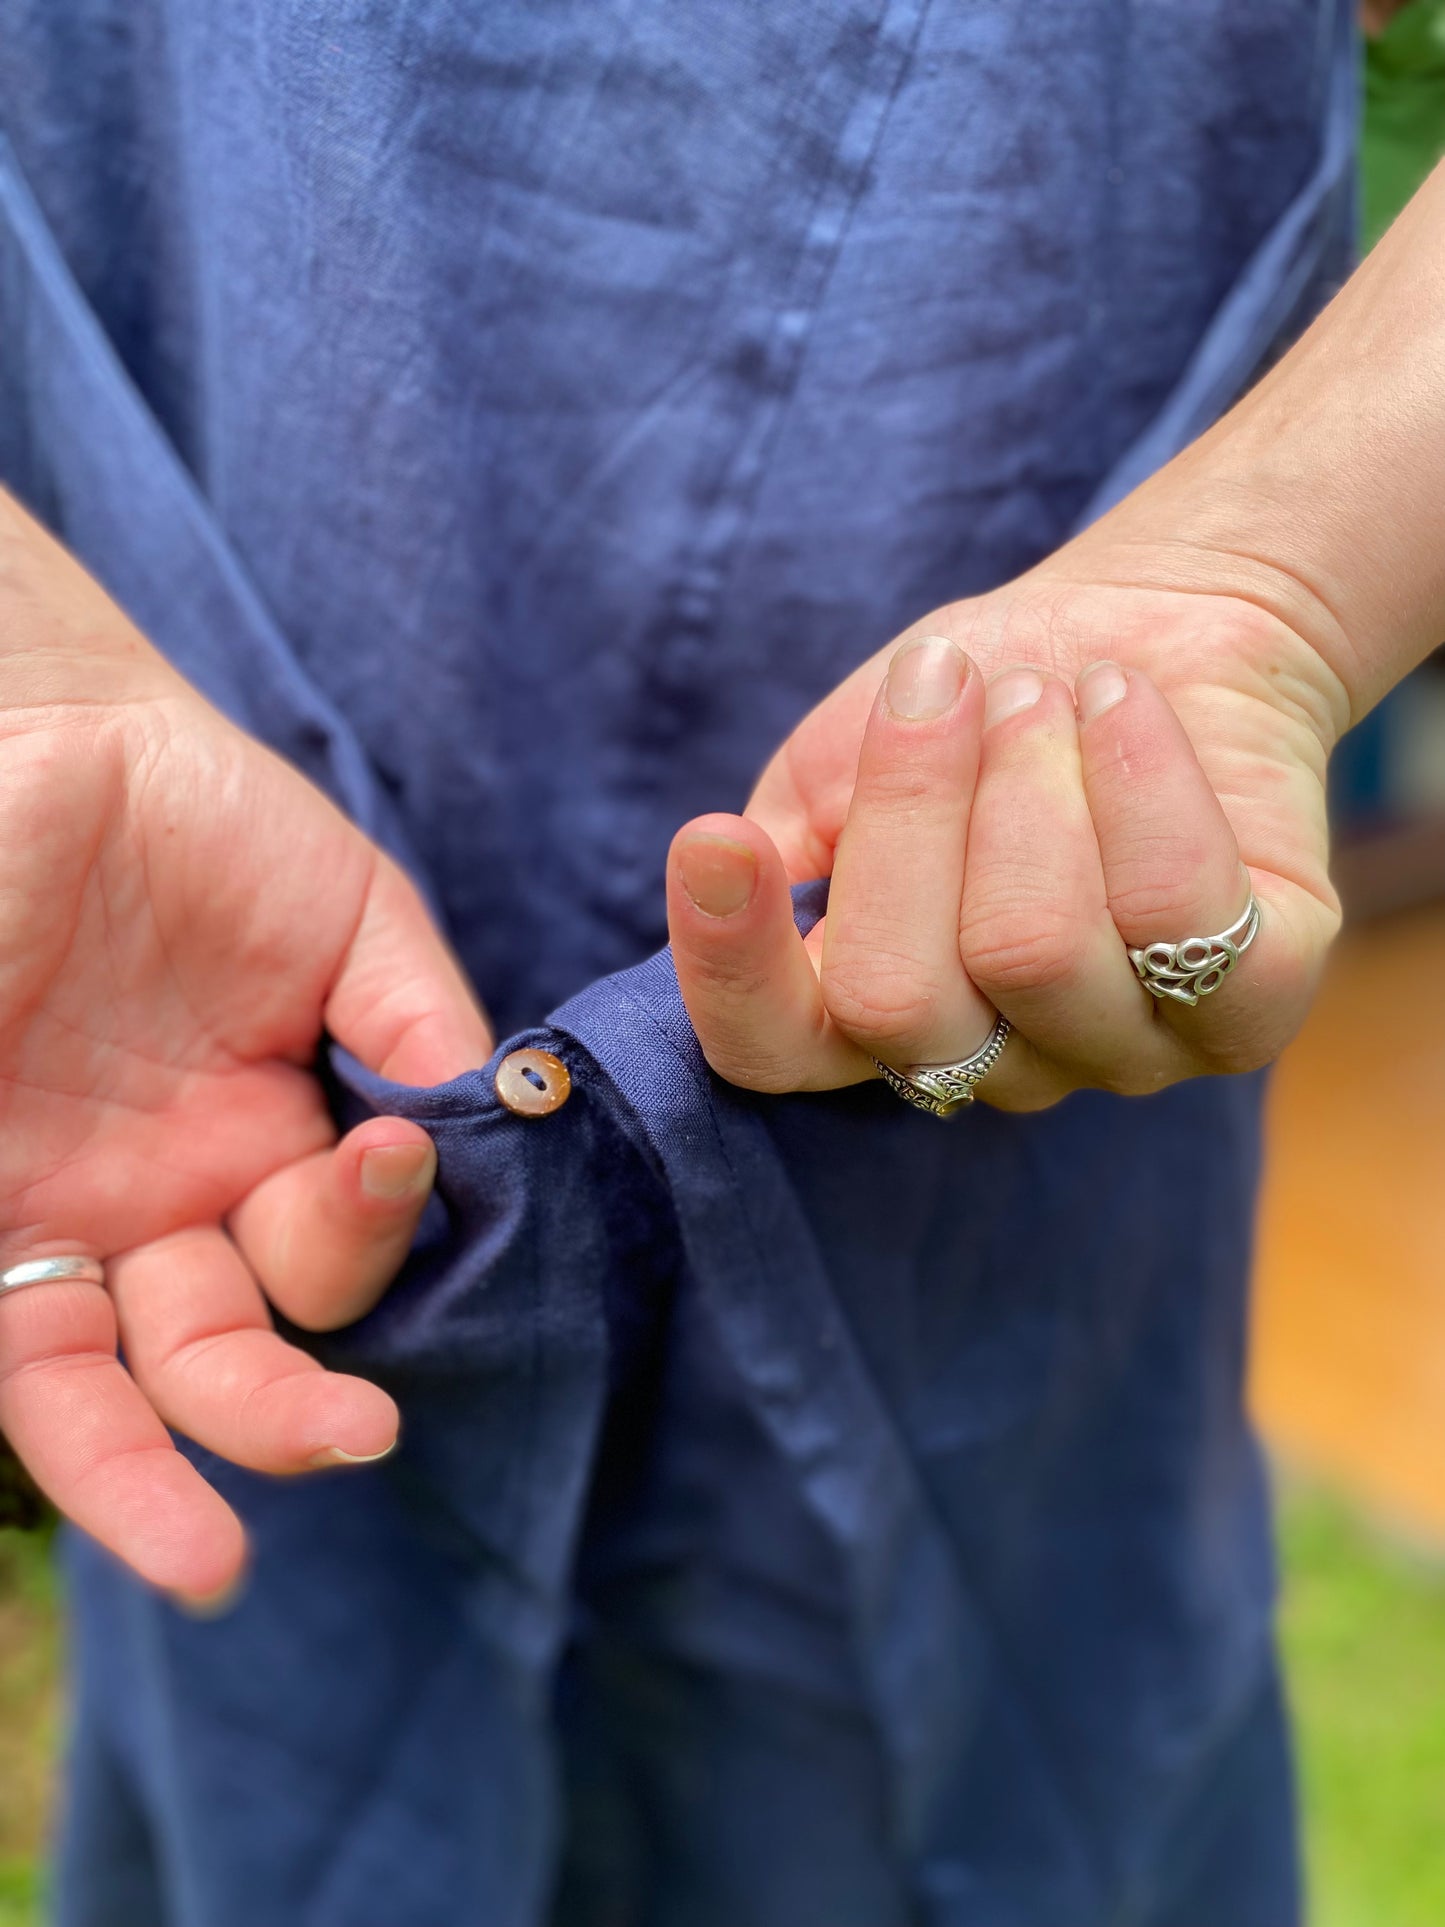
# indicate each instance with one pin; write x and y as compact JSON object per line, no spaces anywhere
{"x":925,"y":678}
{"x":391,"y":1172}
{"x":1009,"y":692}
{"x":717,"y":873}
{"x":333,"y":1455}
{"x":210,"y":1605}
{"x":1101,"y":686}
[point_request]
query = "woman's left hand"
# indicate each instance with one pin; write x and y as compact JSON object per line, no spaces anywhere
{"x":1046,"y":778}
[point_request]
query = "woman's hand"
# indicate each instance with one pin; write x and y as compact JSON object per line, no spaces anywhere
{"x":182,"y":914}
{"x":1259,"y":593}
{"x":1027,"y":786}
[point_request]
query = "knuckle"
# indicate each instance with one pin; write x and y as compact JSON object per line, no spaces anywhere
{"x":721,"y":981}
{"x":905,"y":787}
{"x":1033,"y":949}
{"x":877,"y":999}
{"x":1152,"y":890}
{"x":751,"y":1071}
{"x":744,"y":1040}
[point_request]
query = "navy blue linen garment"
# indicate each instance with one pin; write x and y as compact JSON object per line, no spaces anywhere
{"x":519,"y":415}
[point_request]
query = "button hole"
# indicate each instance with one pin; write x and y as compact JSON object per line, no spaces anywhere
{"x":535,"y":1078}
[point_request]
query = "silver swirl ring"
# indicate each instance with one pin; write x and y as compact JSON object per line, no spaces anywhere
{"x":52,"y":1271}
{"x":1195,"y":968}
{"x":942,"y":1089}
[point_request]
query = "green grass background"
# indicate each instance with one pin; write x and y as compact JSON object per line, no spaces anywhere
{"x":29,"y":1718}
{"x":1363,"y":1626}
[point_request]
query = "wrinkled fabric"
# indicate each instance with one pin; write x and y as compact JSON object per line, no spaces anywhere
{"x":518,"y":417}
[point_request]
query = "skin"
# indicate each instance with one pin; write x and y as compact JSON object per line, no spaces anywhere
{"x":184,"y":915}
{"x":1189,"y":663}
{"x":1001,"y":856}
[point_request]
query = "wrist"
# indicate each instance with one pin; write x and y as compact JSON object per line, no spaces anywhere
{"x":1196,"y":611}
{"x":63,"y":642}
{"x":1320,"y":494}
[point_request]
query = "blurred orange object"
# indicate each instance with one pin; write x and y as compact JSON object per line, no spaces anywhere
{"x":1349,"y":1358}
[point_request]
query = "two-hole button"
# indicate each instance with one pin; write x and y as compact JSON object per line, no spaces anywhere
{"x":533,"y":1083}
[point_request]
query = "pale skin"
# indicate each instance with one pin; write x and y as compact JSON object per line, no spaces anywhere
{"x":184,"y":916}
{"x":1111,"y":750}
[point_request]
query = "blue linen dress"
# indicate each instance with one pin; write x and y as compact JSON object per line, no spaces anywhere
{"x":519,"y":416}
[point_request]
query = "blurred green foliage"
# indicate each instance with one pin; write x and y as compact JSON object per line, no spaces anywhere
{"x":21,"y":1901}
{"x":29,"y":1717}
{"x":1403,"y":133}
{"x":1363,"y":1628}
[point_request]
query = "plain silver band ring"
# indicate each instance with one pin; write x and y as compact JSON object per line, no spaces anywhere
{"x":942,"y":1089}
{"x":52,"y":1271}
{"x":1185,"y":972}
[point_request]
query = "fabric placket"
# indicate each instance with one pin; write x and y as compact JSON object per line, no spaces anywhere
{"x":766,"y":359}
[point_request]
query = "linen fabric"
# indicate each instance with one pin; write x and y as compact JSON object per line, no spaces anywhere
{"x":518,"y":416}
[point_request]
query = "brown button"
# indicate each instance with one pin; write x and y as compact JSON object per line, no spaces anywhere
{"x":533,"y":1083}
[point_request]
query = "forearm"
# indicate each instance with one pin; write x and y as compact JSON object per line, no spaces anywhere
{"x":1322,"y":494}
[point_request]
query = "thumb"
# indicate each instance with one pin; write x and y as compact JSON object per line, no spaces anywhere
{"x":745,"y":974}
{"x":400,"y":1002}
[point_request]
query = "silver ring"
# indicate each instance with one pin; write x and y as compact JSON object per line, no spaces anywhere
{"x":1197,"y":967}
{"x":942,"y":1089}
{"x":52,"y":1271}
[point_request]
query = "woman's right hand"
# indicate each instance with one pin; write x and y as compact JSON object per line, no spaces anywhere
{"x":181,"y":915}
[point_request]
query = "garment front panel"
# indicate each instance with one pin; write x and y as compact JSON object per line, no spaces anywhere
{"x":673,"y":362}
{"x":519,"y":416}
